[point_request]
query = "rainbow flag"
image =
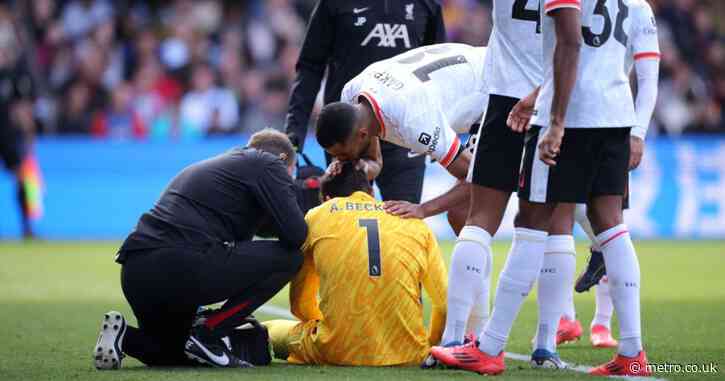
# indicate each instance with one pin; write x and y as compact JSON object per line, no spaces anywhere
{"x":32,"y":182}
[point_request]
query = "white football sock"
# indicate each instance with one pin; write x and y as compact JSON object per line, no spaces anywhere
{"x":469,"y":273}
{"x":569,"y":308}
{"x":555,"y":282}
{"x":580,"y":216}
{"x":517,"y":278}
{"x":480,"y":310}
{"x":604,"y":307}
{"x":624,"y":282}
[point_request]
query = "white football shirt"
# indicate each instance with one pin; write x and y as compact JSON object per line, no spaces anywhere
{"x":513,"y":61}
{"x":602,"y":96}
{"x":424,"y":97}
{"x":643,"y":43}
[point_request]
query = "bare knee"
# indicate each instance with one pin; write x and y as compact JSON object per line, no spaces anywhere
{"x":533,"y":216}
{"x":562,"y":219}
{"x":457,"y":218}
{"x":605,"y":213}
{"x":487,"y":208}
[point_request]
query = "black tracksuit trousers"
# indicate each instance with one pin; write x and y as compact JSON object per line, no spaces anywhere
{"x":165,"y":286}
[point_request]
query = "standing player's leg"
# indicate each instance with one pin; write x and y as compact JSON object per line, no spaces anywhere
{"x":468,"y":277}
{"x":401,"y":178}
{"x":601,"y":331}
{"x":480,"y":313}
{"x":494,"y":175}
{"x":568,"y":182}
{"x":546,"y":198}
{"x":605,"y":214}
{"x":570,"y":328}
{"x":522,"y":268}
{"x":520,"y":271}
{"x":554,"y":285}
{"x":457,"y":217}
{"x":601,"y":336}
{"x":623,"y":277}
{"x":595,"y":266}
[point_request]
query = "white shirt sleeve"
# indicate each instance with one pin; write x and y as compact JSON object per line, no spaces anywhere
{"x":644,"y":105}
{"x":351,"y":90}
{"x":644,"y":33}
{"x":347,"y":93}
{"x":427,"y":131}
{"x":646,"y":51}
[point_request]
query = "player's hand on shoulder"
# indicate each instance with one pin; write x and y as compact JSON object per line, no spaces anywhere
{"x":550,"y":144}
{"x":403,"y":209}
{"x":636,"y":151}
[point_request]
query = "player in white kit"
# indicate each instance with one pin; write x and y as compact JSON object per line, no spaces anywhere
{"x":512,"y":70}
{"x":587,"y":164}
{"x":643,"y":55}
{"x":419,"y":100}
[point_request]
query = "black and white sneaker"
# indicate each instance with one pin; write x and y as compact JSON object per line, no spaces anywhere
{"x":592,"y":274}
{"x":204,"y":348}
{"x":107,"y":354}
{"x":541,"y":358}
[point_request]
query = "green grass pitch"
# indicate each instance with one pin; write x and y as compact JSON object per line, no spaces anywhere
{"x":53,"y":295}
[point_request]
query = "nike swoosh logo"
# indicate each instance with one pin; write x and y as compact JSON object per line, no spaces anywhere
{"x":412,"y":154}
{"x":222,"y":360}
{"x":359,"y":10}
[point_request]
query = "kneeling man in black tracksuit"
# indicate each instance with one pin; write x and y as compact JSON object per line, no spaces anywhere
{"x":195,"y":248}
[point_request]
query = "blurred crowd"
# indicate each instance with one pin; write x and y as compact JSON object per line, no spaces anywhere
{"x":187,"y":69}
{"x":692,"y":75}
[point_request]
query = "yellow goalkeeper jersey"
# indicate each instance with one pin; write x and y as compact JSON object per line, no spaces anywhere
{"x":367,"y":267}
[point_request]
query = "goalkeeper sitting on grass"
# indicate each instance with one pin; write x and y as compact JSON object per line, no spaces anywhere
{"x":367,"y":267}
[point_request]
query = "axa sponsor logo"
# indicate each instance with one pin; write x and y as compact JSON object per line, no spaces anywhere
{"x":388,"y":35}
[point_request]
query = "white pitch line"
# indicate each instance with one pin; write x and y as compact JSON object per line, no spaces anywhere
{"x":520,"y":357}
{"x":284,"y":313}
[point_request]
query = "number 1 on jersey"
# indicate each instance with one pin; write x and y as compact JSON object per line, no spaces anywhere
{"x":423,"y":72}
{"x":374,"y":262}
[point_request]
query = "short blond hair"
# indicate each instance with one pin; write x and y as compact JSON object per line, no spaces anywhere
{"x":274,"y":142}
